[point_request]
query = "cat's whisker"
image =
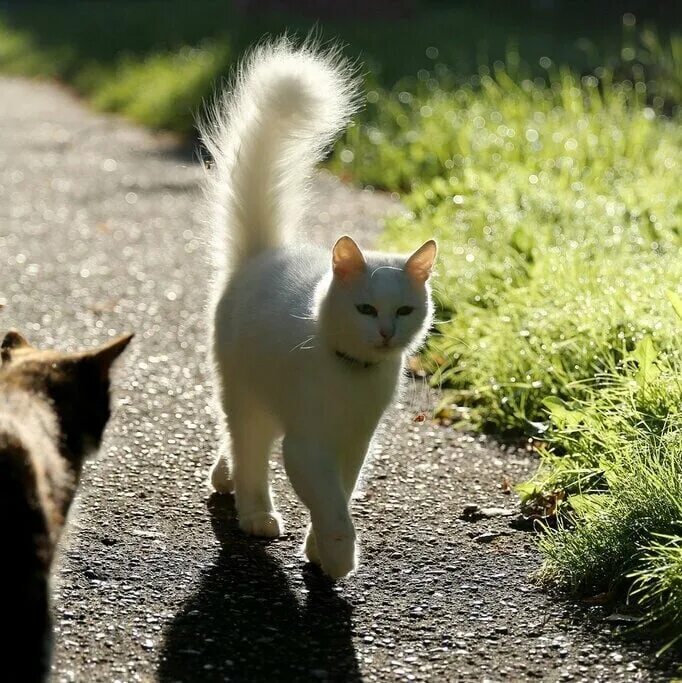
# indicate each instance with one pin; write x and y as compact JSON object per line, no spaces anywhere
{"x":446,"y":321}
{"x":302,"y":345}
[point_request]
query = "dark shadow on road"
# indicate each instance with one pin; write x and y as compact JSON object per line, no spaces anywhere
{"x":244,"y":623}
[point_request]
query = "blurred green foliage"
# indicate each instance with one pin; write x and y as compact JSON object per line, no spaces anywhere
{"x":125,"y":54}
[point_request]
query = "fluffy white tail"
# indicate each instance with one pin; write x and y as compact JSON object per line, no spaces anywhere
{"x":285,"y":108}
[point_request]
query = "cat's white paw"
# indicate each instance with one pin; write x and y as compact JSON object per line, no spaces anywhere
{"x":266,"y":524}
{"x":220,"y":476}
{"x":337,"y":554}
{"x":311,"y":551}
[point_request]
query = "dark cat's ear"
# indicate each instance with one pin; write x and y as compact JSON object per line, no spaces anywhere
{"x":13,"y":340}
{"x":420,"y":264}
{"x":347,"y":259}
{"x":105,"y":355}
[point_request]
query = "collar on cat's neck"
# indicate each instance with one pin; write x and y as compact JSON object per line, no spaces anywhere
{"x":355,"y":362}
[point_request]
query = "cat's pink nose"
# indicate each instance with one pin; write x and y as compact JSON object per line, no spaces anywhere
{"x":385,"y":334}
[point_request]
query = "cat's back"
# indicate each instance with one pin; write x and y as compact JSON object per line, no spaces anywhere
{"x":27,"y":420}
{"x":20,"y":490}
{"x":270,"y":299}
{"x":32,"y":473}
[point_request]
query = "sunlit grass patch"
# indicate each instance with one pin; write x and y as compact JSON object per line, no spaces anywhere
{"x":622,"y":522}
{"x":657,"y":586}
{"x":617,"y":535}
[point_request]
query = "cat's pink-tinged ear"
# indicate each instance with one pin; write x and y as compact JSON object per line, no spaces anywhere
{"x":420,"y":264}
{"x":347,"y":259}
{"x":105,"y":355}
{"x":13,"y":340}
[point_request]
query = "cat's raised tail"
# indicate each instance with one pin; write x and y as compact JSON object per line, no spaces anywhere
{"x":265,"y":134}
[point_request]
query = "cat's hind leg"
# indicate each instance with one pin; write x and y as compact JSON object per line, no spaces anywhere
{"x":220,"y":474}
{"x":252,"y":432}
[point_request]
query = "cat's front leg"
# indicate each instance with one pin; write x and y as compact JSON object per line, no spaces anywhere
{"x":340,"y":552}
{"x":316,"y":477}
{"x":350,"y":465}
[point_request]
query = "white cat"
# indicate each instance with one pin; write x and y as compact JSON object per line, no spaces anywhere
{"x":308,"y":344}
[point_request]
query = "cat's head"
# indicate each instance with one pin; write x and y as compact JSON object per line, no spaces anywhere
{"x":76,"y":384}
{"x":379,"y":305}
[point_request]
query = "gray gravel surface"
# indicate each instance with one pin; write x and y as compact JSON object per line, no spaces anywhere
{"x":100,"y":234}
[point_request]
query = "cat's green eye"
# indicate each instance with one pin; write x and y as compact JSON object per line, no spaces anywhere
{"x":404,"y":310}
{"x":366,"y":309}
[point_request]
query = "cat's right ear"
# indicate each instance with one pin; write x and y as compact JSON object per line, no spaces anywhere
{"x":13,"y":340}
{"x":347,"y":259}
{"x":420,"y":264}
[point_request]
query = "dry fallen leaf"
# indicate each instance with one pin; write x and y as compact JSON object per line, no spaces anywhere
{"x":543,"y":505}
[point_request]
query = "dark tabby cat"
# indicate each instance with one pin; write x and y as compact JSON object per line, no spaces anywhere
{"x":53,"y":410}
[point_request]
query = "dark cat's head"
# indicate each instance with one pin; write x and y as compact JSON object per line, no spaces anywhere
{"x":76,"y":385}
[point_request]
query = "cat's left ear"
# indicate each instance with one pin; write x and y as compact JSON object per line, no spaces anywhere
{"x":13,"y":340}
{"x":420,"y":264}
{"x":105,"y":355}
{"x":347,"y":259}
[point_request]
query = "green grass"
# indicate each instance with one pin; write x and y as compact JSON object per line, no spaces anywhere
{"x":558,"y":209}
{"x":623,"y":470}
{"x":657,"y":584}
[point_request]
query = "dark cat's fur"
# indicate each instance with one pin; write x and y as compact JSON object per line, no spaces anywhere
{"x":53,"y":410}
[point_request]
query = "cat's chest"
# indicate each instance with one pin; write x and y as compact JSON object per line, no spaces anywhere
{"x":352,"y":396}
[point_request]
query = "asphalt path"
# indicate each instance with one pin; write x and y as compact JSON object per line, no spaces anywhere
{"x":101,"y":233}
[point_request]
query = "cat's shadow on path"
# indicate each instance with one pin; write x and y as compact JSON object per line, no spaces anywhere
{"x":244,"y":622}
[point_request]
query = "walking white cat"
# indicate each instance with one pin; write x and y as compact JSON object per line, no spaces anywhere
{"x":309,"y":344}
